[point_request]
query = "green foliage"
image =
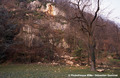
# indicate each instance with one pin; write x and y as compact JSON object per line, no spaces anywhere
{"x":60,"y":32}
{"x":113,"y":62}
{"x":39,"y":15}
{"x":100,"y":54}
{"x":116,"y":60}
{"x":49,"y":54}
{"x":35,"y":13}
{"x":62,"y":23}
{"x":78,"y":52}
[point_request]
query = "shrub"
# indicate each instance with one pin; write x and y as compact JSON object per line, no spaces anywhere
{"x":114,"y":62}
{"x":78,"y":53}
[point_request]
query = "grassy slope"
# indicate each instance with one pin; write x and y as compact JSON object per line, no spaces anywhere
{"x":47,"y":71}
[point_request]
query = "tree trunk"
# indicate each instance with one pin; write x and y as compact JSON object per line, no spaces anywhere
{"x":92,"y":52}
{"x":88,"y":58}
{"x":93,"y":64}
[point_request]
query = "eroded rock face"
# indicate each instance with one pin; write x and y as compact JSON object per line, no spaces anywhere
{"x":34,"y":5}
{"x":63,"y":44}
{"x":51,"y":10}
{"x":32,"y":36}
{"x":59,"y":25}
{"x":29,"y":33}
{"x":55,"y":23}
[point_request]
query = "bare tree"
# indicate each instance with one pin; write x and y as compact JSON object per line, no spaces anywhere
{"x":87,"y":26}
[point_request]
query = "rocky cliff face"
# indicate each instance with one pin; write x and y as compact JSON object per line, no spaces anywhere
{"x":40,"y":34}
{"x":48,"y":8}
{"x":46,"y":16}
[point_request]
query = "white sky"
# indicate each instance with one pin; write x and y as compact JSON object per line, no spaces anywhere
{"x":111,"y":9}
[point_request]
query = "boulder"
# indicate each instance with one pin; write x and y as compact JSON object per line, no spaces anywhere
{"x":100,"y":70}
{"x":39,"y":63}
{"x":77,"y":65}
{"x":69,"y":62}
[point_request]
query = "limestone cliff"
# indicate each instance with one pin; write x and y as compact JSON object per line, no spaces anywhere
{"x":43,"y":16}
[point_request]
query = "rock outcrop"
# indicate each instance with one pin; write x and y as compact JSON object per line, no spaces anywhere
{"x":48,"y":8}
{"x":34,"y":5}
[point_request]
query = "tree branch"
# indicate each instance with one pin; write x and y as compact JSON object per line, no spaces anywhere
{"x":96,"y":13}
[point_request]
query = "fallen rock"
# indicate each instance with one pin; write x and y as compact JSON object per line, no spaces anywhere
{"x":70,"y":62}
{"x":77,"y":65}
{"x":39,"y":63}
{"x":100,"y":70}
{"x":54,"y":63}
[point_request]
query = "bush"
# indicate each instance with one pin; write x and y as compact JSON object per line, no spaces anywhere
{"x":78,"y":53}
{"x":114,"y":62}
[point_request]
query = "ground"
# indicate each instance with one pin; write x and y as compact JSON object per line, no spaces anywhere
{"x":49,"y":71}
